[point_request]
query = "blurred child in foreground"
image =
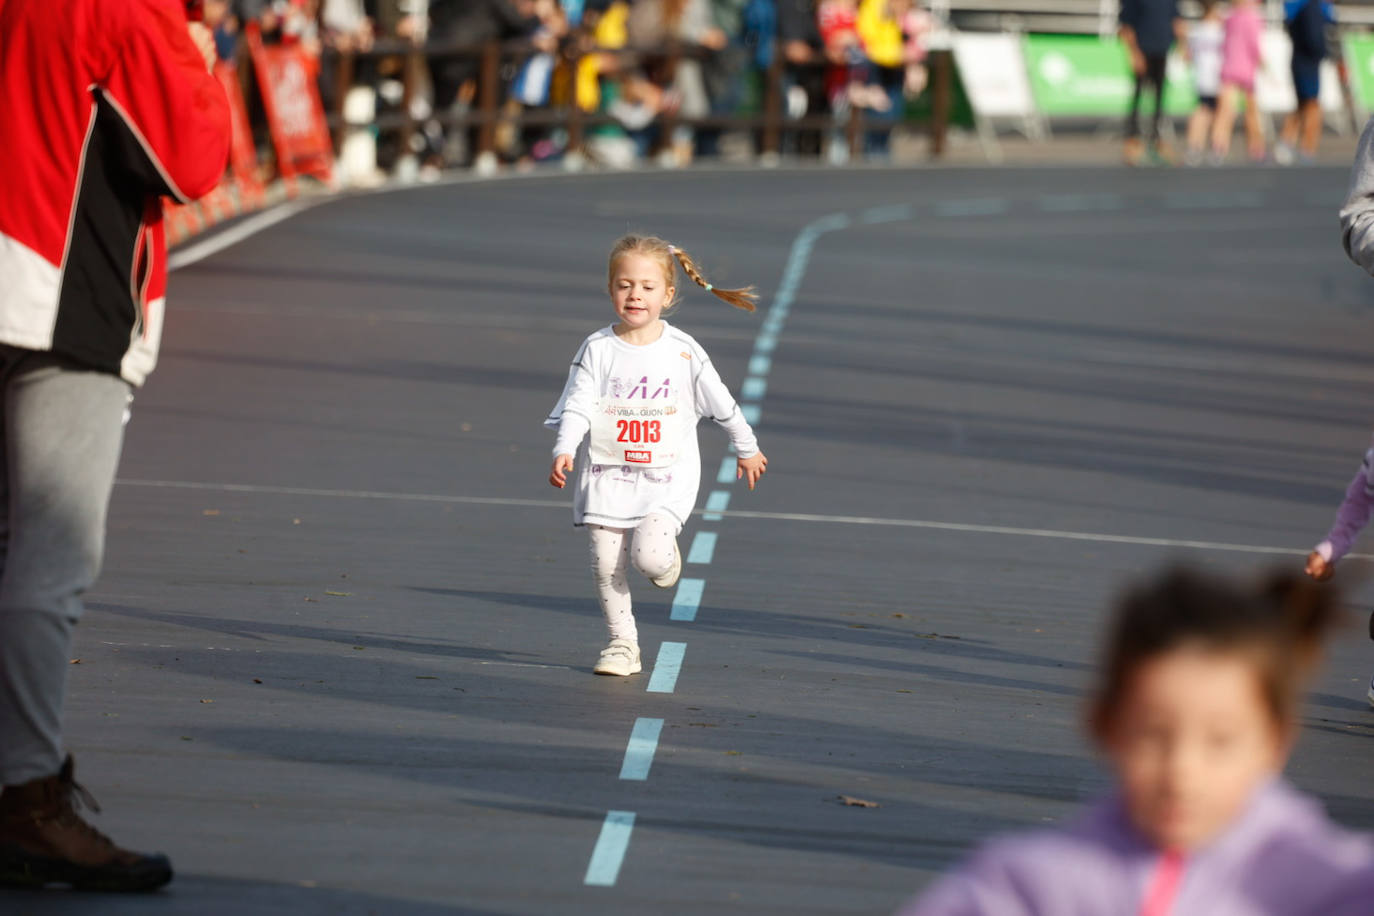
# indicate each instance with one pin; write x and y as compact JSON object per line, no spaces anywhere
{"x":1196,"y":711}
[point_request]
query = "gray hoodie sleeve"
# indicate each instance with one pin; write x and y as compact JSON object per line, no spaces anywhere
{"x":1357,"y":216}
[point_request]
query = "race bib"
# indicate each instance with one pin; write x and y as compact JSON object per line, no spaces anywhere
{"x":630,"y":432}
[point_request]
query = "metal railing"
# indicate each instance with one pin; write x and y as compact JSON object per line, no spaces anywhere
{"x":494,"y":58}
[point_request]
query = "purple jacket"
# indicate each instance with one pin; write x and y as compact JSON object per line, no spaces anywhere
{"x":1282,"y":857}
{"x":1352,"y":516}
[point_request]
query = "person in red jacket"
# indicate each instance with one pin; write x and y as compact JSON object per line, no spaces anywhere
{"x":106,"y":106}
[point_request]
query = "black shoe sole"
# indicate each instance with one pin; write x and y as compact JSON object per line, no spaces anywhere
{"x":19,"y":869}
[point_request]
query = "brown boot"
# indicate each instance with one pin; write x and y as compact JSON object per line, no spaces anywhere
{"x":43,"y":840}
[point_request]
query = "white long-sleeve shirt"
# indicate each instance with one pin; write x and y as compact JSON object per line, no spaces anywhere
{"x":610,"y":385}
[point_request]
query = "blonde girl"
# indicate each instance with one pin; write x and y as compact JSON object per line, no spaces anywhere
{"x":626,"y":426}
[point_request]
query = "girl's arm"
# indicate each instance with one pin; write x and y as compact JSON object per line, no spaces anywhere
{"x":572,"y":415}
{"x":1351,"y":518}
{"x":715,"y":401}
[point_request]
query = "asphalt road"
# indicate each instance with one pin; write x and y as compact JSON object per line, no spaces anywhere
{"x":339,"y":661}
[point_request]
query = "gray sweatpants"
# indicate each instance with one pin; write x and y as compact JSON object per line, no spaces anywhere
{"x":62,"y":428}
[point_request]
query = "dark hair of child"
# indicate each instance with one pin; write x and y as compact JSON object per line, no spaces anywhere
{"x":1280,"y":622}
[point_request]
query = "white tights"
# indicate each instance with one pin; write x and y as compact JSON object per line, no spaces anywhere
{"x":649,"y":545}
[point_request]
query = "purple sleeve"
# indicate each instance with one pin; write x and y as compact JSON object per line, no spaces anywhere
{"x":1351,"y":517}
{"x":986,"y":884}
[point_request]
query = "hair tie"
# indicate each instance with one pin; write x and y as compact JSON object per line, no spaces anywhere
{"x":672,"y":249}
{"x":708,"y":287}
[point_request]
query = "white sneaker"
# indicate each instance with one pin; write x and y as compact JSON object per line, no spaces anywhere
{"x":669,"y":579}
{"x":1370,"y":693}
{"x":620,"y":658}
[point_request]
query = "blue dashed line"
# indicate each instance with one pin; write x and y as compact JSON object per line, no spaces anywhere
{"x":753,"y":388}
{"x":703,"y":547}
{"x":752,"y":412}
{"x":667,"y":667}
{"x":716,"y":503}
{"x":687,"y":600}
{"x":639,"y":755}
{"x":727,"y":470}
{"x":609,"y":854}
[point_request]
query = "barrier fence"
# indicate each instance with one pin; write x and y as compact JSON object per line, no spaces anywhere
{"x":1028,"y":80}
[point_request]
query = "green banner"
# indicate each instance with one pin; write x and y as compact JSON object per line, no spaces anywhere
{"x":1084,"y":76}
{"x":1359,"y":59}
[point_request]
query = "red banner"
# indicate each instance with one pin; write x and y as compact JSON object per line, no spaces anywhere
{"x":291,"y":100}
{"x":243,"y":155}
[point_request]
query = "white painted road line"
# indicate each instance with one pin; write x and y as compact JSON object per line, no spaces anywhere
{"x":717,"y":507}
{"x":197,"y":251}
{"x":1028,"y":532}
{"x":687,"y":600}
{"x":989,"y":206}
{"x":667,"y":667}
{"x":351,"y":494}
{"x":639,"y":755}
{"x":609,"y":854}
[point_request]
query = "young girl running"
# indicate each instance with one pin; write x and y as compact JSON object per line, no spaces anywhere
{"x":1196,"y":710}
{"x":628,"y":414}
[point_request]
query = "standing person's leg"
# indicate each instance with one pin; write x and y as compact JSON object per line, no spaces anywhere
{"x":1311,"y":127}
{"x":1155,"y":66}
{"x":1133,"y":119}
{"x":1198,"y":123}
{"x":1254,"y":136}
{"x":63,"y":428}
{"x":1225,"y":121}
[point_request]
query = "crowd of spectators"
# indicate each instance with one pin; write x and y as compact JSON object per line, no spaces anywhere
{"x":656,"y":79}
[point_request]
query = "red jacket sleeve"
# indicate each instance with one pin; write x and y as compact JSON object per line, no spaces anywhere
{"x":173,"y":106}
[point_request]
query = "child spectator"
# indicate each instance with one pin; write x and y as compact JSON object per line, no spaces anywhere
{"x":1196,"y":709}
{"x":1205,"y":40}
{"x":1240,"y":60}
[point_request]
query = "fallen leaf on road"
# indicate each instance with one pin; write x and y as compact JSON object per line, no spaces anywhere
{"x":853,"y":802}
{"x":75,"y":661}
{"x":339,"y":594}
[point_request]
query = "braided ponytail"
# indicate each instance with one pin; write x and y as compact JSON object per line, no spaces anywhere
{"x":740,"y":298}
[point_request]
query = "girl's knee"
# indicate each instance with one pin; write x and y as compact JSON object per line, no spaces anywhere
{"x":654,"y":567}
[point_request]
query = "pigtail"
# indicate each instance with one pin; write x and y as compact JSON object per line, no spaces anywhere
{"x":1307,"y":610}
{"x":739,"y":298}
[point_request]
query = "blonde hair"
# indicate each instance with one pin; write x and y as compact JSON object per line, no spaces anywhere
{"x":657,"y":249}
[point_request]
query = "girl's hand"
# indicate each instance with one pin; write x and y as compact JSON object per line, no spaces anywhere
{"x":1318,"y":568}
{"x":558,"y":476}
{"x":751,"y":468}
